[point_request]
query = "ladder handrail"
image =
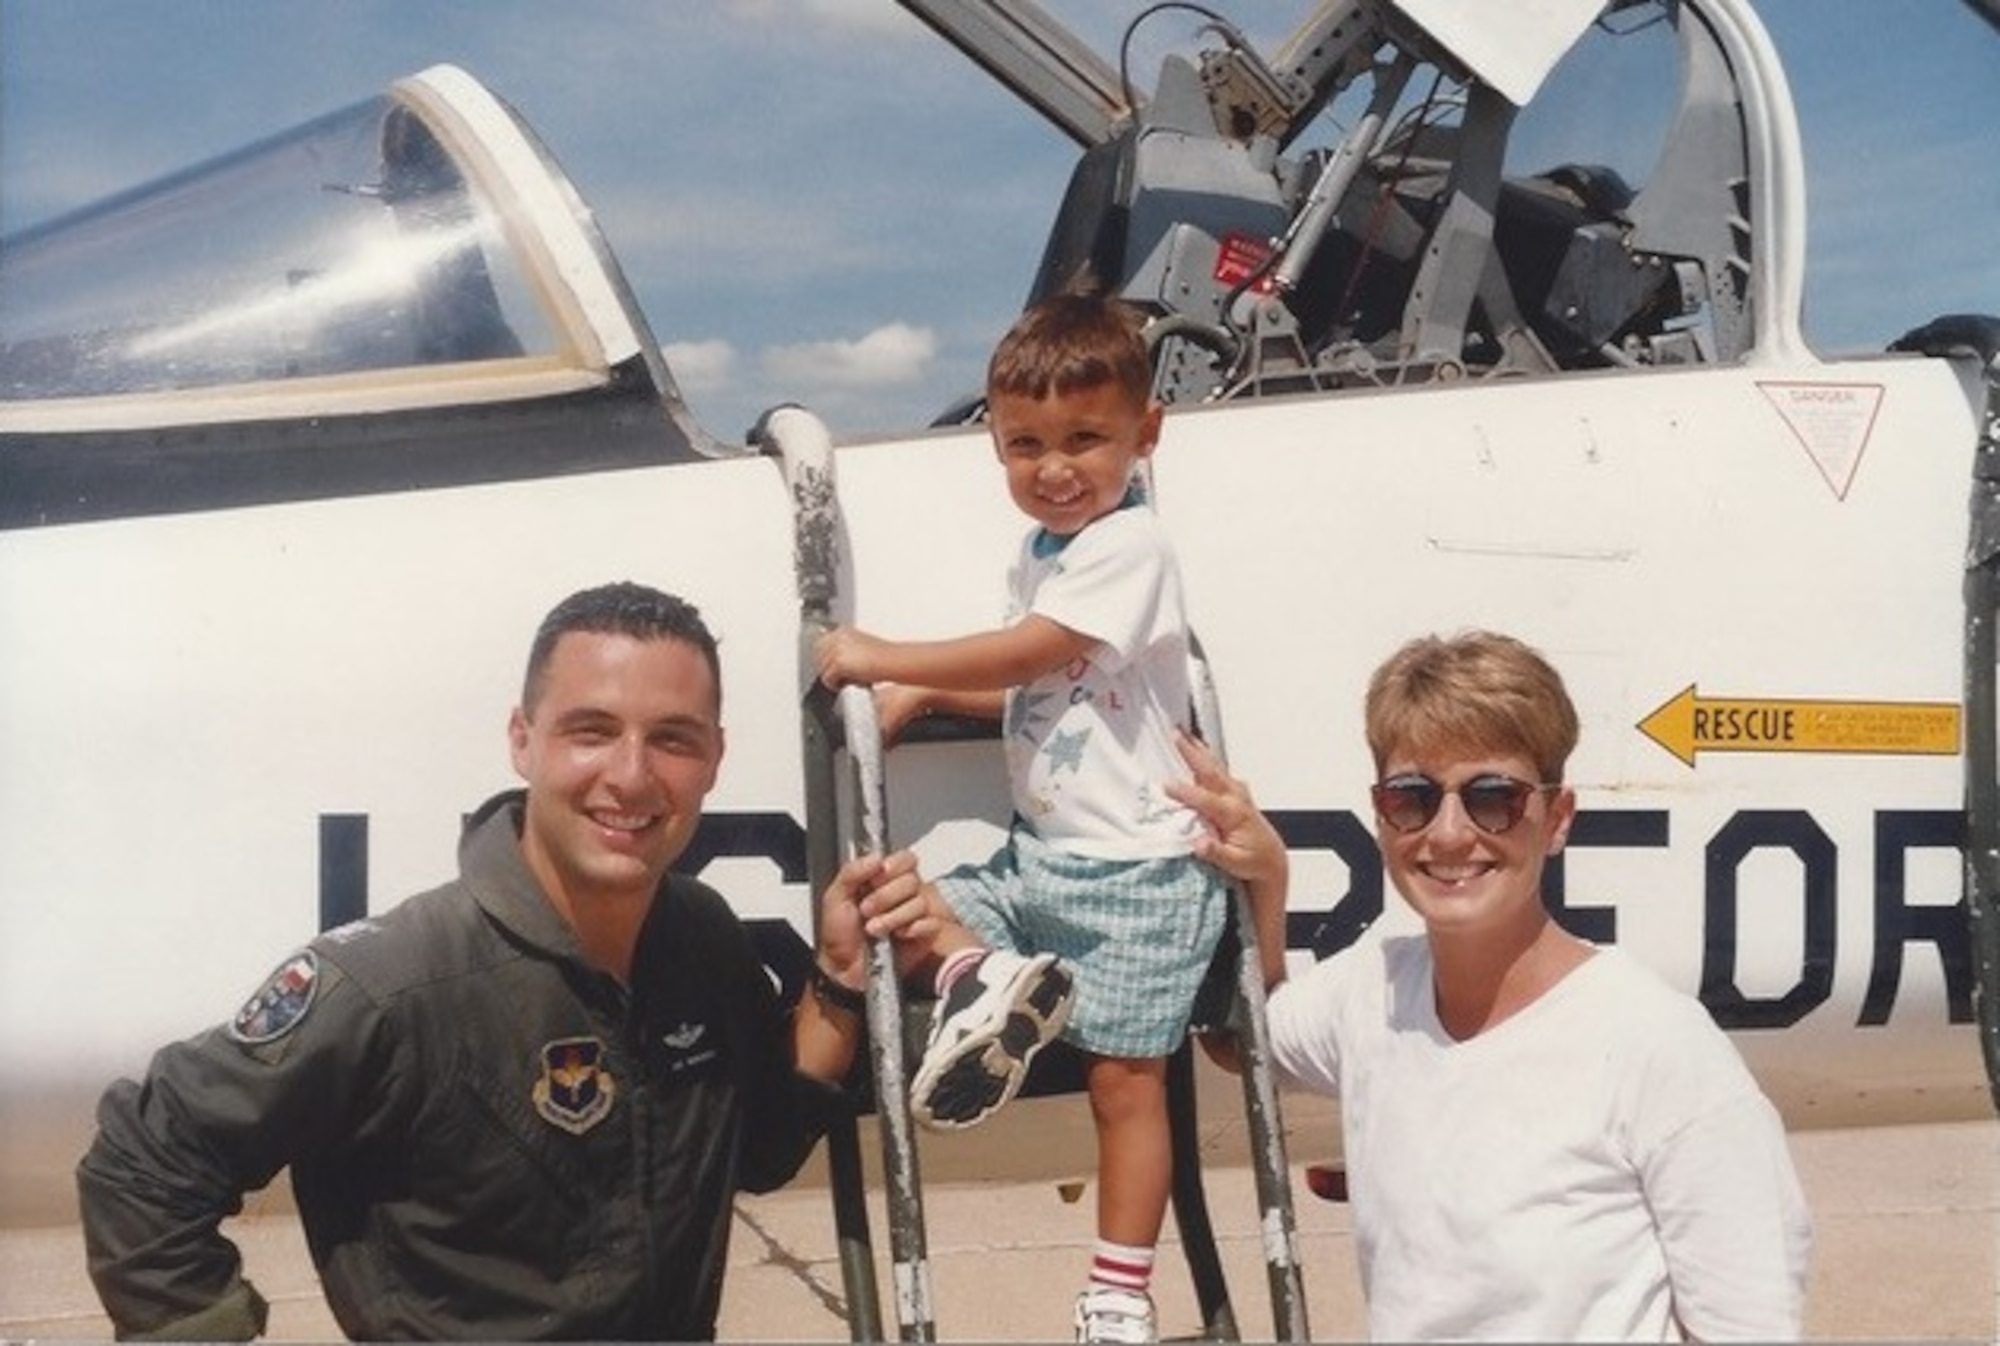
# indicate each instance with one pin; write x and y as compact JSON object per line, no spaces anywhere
{"x":1279,"y":1222}
{"x":804,"y":449}
{"x":909,"y":1255}
{"x":1190,"y":1201}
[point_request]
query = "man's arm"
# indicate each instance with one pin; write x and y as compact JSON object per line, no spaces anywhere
{"x":871,"y":897}
{"x":215,"y":1117}
{"x":798,"y":1094}
{"x":152,"y":1207}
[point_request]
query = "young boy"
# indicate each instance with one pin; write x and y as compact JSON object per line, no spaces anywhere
{"x":1098,"y":878}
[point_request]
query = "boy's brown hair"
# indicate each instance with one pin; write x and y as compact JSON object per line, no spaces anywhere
{"x":1072,"y":341}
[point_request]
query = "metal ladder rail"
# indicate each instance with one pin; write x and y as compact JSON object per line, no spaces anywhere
{"x":804,"y":449}
{"x":908,"y":1241}
{"x":1190,"y":1202}
{"x":1278,"y":1222}
{"x":845,"y":1175}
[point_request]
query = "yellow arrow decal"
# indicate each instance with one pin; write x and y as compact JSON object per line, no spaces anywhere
{"x":1690,"y":724}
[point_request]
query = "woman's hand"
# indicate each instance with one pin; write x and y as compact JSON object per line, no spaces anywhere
{"x":1240,"y":840}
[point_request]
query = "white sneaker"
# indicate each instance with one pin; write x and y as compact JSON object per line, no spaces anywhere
{"x":989,"y":1025}
{"x":1107,"y":1314}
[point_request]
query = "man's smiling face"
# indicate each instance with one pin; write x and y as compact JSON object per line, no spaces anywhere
{"x":619,"y":750}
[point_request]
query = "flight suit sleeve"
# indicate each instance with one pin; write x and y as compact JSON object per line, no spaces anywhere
{"x":695,"y":941}
{"x":786,"y":1112}
{"x":216,"y":1116}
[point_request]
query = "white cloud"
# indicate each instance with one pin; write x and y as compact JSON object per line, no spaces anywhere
{"x":701,"y":366}
{"x":886,"y":357}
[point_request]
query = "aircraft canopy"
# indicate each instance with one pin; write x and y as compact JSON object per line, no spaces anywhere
{"x":417,"y":248}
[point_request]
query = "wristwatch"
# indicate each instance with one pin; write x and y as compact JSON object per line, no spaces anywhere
{"x":835,"y":995}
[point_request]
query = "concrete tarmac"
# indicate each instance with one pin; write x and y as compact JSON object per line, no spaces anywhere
{"x":1907,"y":1248}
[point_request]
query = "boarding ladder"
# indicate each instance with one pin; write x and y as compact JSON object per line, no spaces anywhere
{"x":833,"y":728}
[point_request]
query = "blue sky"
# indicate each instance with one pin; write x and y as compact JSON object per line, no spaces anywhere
{"x":817,"y":200}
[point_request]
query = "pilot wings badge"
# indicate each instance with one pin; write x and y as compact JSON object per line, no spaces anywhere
{"x":575,"y":1092}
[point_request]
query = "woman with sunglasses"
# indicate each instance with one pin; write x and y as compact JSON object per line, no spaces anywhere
{"x":1543,"y":1140}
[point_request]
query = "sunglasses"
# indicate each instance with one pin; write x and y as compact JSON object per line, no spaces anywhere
{"x":1494,"y":803}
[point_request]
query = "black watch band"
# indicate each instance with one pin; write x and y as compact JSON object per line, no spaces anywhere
{"x":833,"y":994}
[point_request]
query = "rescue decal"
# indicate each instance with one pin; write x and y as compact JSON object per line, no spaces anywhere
{"x":1831,"y":420}
{"x":575,"y":1092}
{"x":1690,"y":723}
{"x":280,"y":1003}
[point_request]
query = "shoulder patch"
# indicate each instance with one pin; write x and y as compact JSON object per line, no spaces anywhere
{"x":280,"y":1003}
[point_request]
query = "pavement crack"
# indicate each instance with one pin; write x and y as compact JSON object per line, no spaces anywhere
{"x":801,"y":1269}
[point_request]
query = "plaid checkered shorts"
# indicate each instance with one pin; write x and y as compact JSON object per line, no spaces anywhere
{"x":1138,"y":935}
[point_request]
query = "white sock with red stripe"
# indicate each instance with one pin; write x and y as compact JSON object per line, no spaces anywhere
{"x":1118,"y":1266}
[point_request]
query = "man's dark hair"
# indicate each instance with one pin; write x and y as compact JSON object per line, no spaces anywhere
{"x":621,"y":609}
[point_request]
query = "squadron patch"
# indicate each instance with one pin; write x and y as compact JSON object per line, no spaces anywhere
{"x":575,"y":1091}
{"x":280,"y":1003}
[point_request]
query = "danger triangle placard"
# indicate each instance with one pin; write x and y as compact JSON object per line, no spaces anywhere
{"x":1831,"y":420}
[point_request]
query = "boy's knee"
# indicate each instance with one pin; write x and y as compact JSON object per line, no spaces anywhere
{"x":1122,"y":1085}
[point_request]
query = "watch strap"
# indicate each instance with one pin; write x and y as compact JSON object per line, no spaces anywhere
{"x":835,"y":995}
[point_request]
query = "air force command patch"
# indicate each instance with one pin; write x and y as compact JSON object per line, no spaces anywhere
{"x":280,"y":1003}
{"x":575,"y":1090}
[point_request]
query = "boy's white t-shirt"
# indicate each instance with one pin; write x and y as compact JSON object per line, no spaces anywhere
{"x":1089,"y":746}
{"x":1599,"y":1167}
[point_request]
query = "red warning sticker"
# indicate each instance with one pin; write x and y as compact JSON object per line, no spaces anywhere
{"x":1238,"y":258}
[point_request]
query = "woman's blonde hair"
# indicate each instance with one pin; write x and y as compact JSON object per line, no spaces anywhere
{"x":1478,"y":691}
